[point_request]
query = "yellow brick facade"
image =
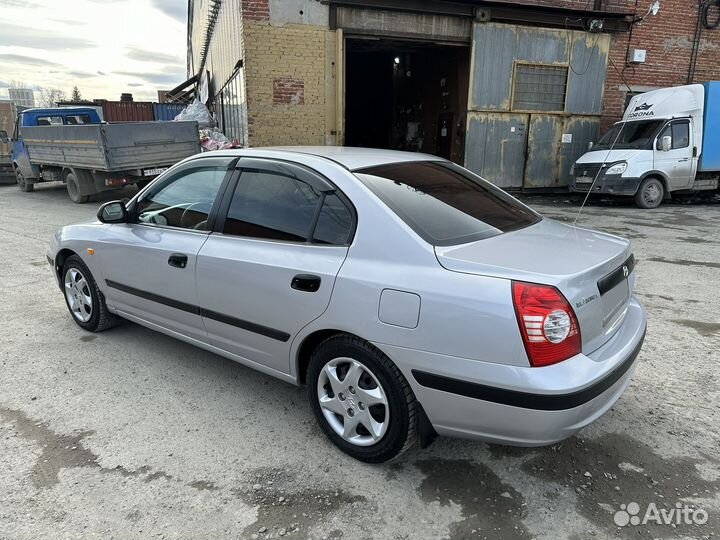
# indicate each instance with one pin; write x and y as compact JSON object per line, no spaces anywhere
{"x":291,"y":51}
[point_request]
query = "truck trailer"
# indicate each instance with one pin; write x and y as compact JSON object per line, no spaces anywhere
{"x":667,"y":142}
{"x":72,"y":145}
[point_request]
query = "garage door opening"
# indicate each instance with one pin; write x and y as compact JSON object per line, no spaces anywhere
{"x":405,"y":95}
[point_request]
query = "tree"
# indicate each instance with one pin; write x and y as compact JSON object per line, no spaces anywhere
{"x":76,"y":95}
{"x":49,"y":97}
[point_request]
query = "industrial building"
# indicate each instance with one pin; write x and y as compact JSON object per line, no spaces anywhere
{"x":515,"y":91}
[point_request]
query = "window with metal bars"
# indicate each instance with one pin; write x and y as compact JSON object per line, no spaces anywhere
{"x":539,"y":87}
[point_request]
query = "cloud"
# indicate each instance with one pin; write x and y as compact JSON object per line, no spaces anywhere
{"x":155,"y":78}
{"x":67,"y":21}
{"x":81,"y":74}
{"x":27,"y":60}
{"x":20,"y":4}
{"x":101,"y":73}
{"x":143,"y":55}
{"x":4,"y":84}
{"x":25,"y":36}
{"x":177,"y":9}
{"x":135,"y":84}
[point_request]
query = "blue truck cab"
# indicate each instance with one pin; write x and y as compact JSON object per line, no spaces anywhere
{"x":71,"y":116}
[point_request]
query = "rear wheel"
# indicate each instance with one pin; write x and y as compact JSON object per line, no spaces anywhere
{"x":361,"y":400}
{"x":650,"y":193}
{"x":73,"y":189}
{"x":83,"y":297}
{"x":22,"y":182}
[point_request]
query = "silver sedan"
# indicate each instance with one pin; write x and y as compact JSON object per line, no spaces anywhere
{"x":410,"y":296}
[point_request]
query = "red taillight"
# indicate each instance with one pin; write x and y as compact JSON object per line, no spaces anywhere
{"x":547,"y":323}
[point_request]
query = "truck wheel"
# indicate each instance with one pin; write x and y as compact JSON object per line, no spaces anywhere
{"x":650,"y":193}
{"x":25,"y":186}
{"x":73,"y":189}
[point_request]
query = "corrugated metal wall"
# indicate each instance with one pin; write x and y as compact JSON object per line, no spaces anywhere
{"x":532,"y":148}
{"x":167,"y":111}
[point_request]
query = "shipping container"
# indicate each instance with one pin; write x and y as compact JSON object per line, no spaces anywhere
{"x":7,"y":123}
{"x":167,"y":111}
{"x":128,"y":111}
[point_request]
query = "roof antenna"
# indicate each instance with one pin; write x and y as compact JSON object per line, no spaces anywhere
{"x":612,"y":147}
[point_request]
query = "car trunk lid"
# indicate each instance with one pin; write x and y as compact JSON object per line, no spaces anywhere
{"x":593,"y":270}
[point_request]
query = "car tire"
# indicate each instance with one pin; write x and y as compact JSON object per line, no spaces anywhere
{"x":650,"y":193}
{"x":391,"y":403}
{"x":22,"y":182}
{"x":83,"y":297}
{"x":73,"y":189}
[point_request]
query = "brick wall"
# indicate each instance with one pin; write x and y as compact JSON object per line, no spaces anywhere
{"x":616,"y":6}
{"x":668,"y":39}
{"x":256,"y":10}
{"x":286,"y":83}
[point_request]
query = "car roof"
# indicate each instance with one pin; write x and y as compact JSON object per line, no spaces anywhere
{"x":351,"y":158}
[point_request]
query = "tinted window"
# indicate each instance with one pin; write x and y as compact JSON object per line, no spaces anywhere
{"x":272,"y":205}
{"x":184,"y":200}
{"x":444,"y":203}
{"x":334,"y":222}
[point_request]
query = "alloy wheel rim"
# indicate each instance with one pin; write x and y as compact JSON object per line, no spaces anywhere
{"x":77,"y":292}
{"x":353,"y":401}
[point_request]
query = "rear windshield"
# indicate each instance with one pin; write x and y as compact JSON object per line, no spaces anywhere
{"x":444,"y":203}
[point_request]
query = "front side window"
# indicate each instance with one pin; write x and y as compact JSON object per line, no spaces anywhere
{"x":444,"y":203}
{"x":184,"y":200}
{"x":679,"y":132}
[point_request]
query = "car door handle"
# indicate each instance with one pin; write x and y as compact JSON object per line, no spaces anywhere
{"x":306,"y":282}
{"x":177,"y":260}
{"x":684,"y":159}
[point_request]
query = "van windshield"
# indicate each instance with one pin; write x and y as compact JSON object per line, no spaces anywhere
{"x":638,"y":135}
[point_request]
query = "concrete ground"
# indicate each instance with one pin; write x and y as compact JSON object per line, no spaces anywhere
{"x":130,"y":434}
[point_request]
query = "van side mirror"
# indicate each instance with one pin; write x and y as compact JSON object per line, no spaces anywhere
{"x":4,"y":137}
{"x":113,"y":212}
{"x":666,"y":143}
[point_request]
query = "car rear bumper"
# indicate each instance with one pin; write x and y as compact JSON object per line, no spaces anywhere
{"x":608,"y":186}
{"x":523,"y":406}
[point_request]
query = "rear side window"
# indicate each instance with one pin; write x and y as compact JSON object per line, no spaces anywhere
{"x":78,"y":119}
{"x":50,"y":121}
{"x":273,"y":206}
{"x":281,"y":205}
{"x":444,"y":203}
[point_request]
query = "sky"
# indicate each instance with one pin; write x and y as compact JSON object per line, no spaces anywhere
{"x":105,"y":47}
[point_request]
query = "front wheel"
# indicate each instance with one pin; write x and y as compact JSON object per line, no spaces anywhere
{"x":361,"y":400}
{"x":22,"y":182}
{"x":83,"y":297}
{"x":650,"y":193}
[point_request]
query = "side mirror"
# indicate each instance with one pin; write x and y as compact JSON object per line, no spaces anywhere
{"x":113,"y":212}
{"x":666,"y":143}
{"x":4,"y":137}
{"x":590,"y":145}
